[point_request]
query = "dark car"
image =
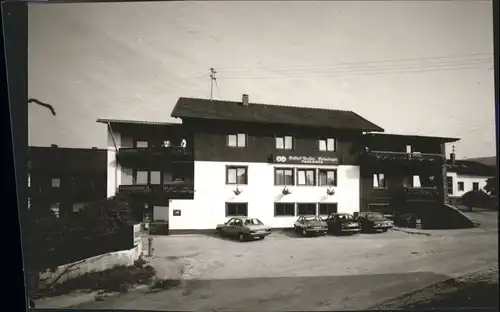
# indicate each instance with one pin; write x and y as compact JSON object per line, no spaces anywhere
{"x":342,"y":223}
{"x":310,"y":224}
{"x":409,"y":220}
{"x":374,"y":221}
{"x":243,"y":228}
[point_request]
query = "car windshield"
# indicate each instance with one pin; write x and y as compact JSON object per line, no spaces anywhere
{"x":312,"y":219}
{"x":375,"y":216}
{"x":253,"y":222}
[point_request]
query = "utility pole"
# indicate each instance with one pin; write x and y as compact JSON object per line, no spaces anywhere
{"x":212,"y":80}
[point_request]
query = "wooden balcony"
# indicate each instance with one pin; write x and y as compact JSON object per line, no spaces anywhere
{"x":157,"y":191}
{"x":398,"y":159}
{"x":158,"y":156}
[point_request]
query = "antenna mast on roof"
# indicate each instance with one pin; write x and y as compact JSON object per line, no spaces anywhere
{"x":212,"y":80}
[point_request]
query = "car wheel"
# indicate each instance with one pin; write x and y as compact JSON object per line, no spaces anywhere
{"x":385,"y":230}
{"x":262,"y":237}
{"x":241,"y":237}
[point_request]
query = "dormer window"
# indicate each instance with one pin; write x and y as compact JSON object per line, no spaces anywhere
{"x":326,"y":145}
{"x":284,"y":142}
{"x":237,"y":140}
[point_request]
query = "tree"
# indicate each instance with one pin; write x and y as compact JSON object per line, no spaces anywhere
{"x":491,"y":186}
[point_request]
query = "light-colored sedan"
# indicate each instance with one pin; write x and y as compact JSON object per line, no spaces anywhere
{"x":243,"y":228}
{"x":310,"y":224}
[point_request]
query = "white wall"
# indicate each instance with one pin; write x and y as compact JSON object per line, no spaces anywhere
{"x":211,"y":193}
{"x":468,"y":180}
{"x":114,"y":169}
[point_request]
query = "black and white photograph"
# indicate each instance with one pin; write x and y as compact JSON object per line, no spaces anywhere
{"x":261,"y":156}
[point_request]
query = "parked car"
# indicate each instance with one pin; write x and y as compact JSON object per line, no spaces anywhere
{"x":310,"y":224}
{"x":374,"y":221}
{"x":342,"y":223}
{"x":243,"y":228}
{"x":410,"y":220}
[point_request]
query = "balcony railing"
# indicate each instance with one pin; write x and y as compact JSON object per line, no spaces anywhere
{"x":421,"y":192}
{"x":388,"y":155}
{"x":170,"y":190}
{"x":130,"y":157}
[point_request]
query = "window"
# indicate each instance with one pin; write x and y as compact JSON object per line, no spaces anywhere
{"x":236,"y":175}
{"x":284,"y":209}
{"x":141,"y":144}
{"x":236,"y":209}
{"x":155,"y":177}
{"x":284,"y":142}
{"x":327,"y":144}
{"x":449,"y":184}
{"x":56,"y":182}
{"x":55,"y":208}
{"x":283,"y":176}
{"x":460,"y":186}
{"x":306,"y":177}
{"x":306,"y":209}
{"x":237,"y":140}
{"x":379,"y":180}
{"x":327,"y":177}
{"x":408,"y":149}
{"x":141,"y":177}
{"x":475,"y":186}
{"x":427,"y":180}
{"x":326,"y":209}
{"x":416,"y":181}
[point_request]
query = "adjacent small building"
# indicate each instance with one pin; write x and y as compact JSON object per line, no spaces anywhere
{"x":65,"y":179}
{"x":273,"y":162}
{"x":403,"y":173}
{"x":466,"y":175}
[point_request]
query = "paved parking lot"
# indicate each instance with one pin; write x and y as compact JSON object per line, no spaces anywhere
{"x":288,"y":272}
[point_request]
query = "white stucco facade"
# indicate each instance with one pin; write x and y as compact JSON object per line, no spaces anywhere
{"x":467,"y":181}
{"x":208,"y":208}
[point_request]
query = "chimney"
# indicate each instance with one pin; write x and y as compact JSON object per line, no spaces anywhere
{"x":452,"y":155}
{"x":244,"y":100}
{"x":452,"y":158}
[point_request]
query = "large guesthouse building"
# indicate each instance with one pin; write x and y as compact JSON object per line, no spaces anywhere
{"x":272,"y":162}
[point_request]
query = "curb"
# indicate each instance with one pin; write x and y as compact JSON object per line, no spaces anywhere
{"x":411,"y":232}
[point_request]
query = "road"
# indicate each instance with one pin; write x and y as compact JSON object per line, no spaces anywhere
{"x":285,"y":272}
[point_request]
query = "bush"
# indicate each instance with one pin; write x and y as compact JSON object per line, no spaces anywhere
{"x":479,"y":199}
{"x":45,"y":233}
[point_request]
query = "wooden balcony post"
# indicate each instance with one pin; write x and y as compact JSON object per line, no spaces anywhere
{"x":444,"y":180}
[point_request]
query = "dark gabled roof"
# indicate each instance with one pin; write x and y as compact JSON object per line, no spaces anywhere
{"x":265,"y":113}
{"x":415,"y":137}
{"x":488,"y":161}
{"x":135,"y":122}
{"x":468,"y":167}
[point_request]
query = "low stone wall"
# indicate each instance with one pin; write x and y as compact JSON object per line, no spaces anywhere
{"x":94,"y":264}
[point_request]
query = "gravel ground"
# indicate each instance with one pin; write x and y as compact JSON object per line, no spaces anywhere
{"x":286,"y":272}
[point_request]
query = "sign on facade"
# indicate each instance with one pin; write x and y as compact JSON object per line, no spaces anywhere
{"x":318,"y":160}
{"x":177,"y":212}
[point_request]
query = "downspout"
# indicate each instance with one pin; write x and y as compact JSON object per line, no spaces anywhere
{"x":116,"y":152}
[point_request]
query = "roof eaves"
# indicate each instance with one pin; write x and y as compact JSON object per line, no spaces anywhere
{"x":137,"y":122}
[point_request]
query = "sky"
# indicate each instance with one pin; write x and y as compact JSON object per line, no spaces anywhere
{"x":423,"y":68}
